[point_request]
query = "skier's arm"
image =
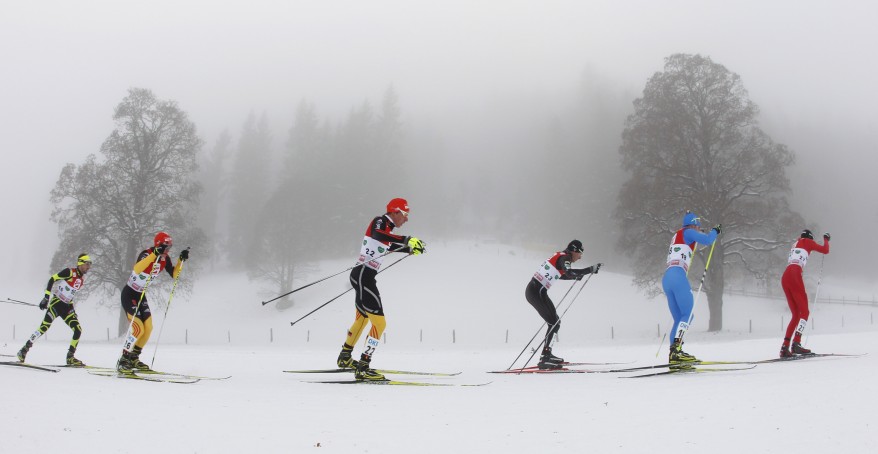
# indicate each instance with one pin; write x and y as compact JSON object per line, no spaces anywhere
{"x":396,"y":243}
{"x":581,"y":272}
{"x":171,"y":268}
{"x":694,"y":236}
{"x":146,"y":257}
{"x":812,"y":246}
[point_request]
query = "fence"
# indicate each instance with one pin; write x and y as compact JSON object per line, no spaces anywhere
{"x":859,"y":301}
{"x":498,"y":335}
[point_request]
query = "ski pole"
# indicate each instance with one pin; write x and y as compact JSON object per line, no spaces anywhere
{"x":342,"y":293}
{"x":559,"y":320}
{"x":23,"y":303}
{"x":665,"y":335}
{"x":540,"y":328}
{"x":319,"y":281}
{"x":129,"y":337}
{"x":817,"y":291}
{"x":165,"y":316}
{"x":819,"y":278}
{"x":698,"y":294}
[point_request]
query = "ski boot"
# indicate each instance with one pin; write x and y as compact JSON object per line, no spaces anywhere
{"x":125,"y":365}
{"x":785,"y":352}
{"x":797,"y":349}
{"x":678,"y":358}
{"x":364,"y":373}
{"x":140,"y":366}
{"x":345,"y":361}
{"x":22,"y":354}
{"x":136,"y":363}
{"x":72,"y":361}
{"x":548,"y":361}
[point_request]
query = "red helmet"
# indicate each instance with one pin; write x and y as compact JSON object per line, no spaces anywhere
{"x":162,"y":238}
{"x":398,"y":204}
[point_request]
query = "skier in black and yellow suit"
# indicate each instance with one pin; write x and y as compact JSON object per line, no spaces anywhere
{"x":58,"y":302}
{"x":149,"y":264}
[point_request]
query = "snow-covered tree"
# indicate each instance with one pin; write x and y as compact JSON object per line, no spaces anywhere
{"x":693,"y":143}
{"x":111,"y":208}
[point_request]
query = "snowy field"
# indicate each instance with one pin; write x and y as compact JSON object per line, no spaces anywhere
{"x":440,"y":320}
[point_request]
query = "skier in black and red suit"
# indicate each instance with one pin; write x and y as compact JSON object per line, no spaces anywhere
{"x":537,"y":294}
{"x":377,"y":243}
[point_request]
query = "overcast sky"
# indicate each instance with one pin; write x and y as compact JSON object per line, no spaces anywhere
{"x":64,"y":66}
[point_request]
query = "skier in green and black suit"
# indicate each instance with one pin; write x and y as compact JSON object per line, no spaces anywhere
{"x":58,"y":303}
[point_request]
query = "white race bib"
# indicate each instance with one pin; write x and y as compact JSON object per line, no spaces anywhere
{"x":798,"y":256}
{"x":372,"y":253}
{"x":65,"y":292}
{"x":679,"y":255}
{"x":547,"y":274}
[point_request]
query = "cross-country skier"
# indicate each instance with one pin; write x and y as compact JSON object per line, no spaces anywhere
{"x":377,"y":242}
{"x":58,"y":302}
{"x":149,"y":264}
{"x":537,"y":294}
{"x":676,"y":284}
{"x":794,"y":288}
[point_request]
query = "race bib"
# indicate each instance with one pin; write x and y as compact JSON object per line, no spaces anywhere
{"x":679,"y":254}
{"x":798,"y":256}
{"x":547,"y":274}
{"x":372,"y":253}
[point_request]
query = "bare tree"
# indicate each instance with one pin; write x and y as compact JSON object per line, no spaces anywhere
{"x":693,"y":142}
{"x":112,"y":208}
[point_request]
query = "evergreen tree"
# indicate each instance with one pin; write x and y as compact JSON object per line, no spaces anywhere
{"x":249,"y":189}
{"x":214,"y":179}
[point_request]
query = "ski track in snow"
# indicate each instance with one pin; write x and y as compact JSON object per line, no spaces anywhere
{"x":811,"y":406}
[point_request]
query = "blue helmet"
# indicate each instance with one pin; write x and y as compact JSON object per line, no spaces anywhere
{"x":691,"y":219}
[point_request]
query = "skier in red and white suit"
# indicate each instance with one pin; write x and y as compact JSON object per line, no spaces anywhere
{"x":794,"y":288}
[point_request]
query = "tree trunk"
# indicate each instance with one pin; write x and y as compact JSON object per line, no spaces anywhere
{"x":715,"y":285}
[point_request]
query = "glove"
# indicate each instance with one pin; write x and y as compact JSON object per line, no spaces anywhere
{"x":718,"y":228}
{"x":44,"y":303}
{"x":826,"y":236}
{"x":597,"y":268}
{"x":417,"y":246}
{"x":184,"y":255}
{"x":160,"y":249}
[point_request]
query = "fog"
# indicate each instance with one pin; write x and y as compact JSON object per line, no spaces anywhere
{"x":483,"y":79}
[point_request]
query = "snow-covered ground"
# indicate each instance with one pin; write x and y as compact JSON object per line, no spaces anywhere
{"x":458,"y":308}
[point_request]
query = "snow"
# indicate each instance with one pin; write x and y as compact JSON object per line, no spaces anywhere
{"x":470,"y":293}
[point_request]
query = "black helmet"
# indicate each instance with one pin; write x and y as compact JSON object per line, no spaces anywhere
{"x":807,"y":234}
{"x":574,"y":246}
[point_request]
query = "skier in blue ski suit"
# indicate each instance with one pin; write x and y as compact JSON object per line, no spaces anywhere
{"x":676,"y":284}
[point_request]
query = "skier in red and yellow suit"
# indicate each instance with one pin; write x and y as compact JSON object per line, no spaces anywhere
{"x":794,"y":288}
{"x":149,"y":264}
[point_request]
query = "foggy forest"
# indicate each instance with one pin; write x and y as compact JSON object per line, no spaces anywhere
{"x":265,"y":152}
